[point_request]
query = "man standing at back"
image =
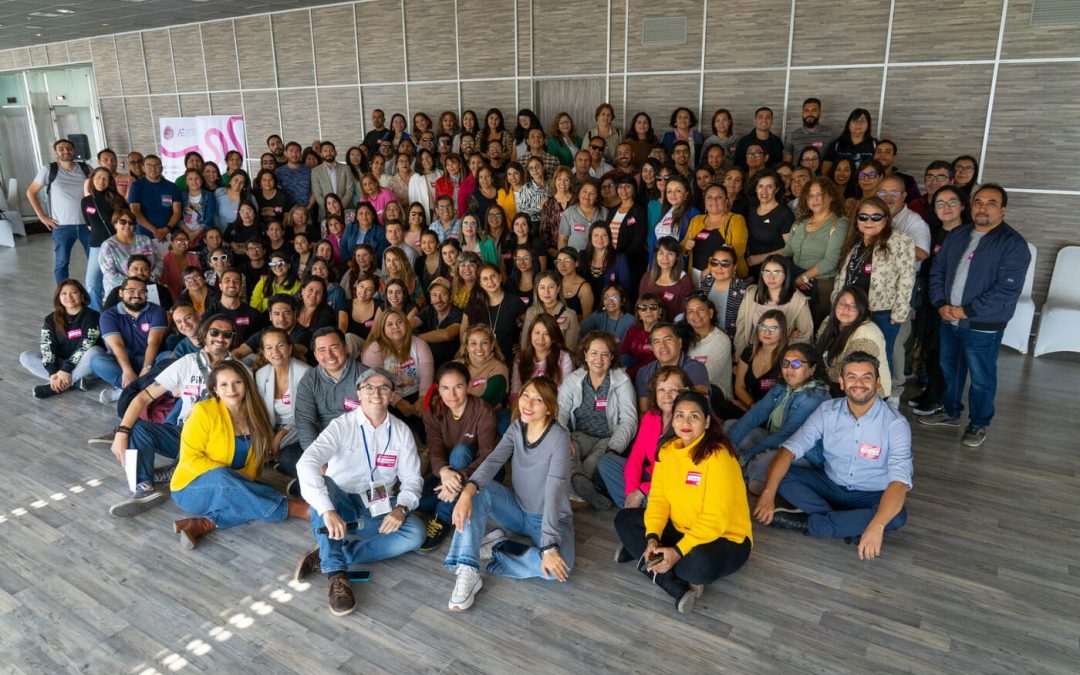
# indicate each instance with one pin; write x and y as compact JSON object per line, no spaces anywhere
{"x":975,"y":282}
{"x":155,"y":201}
{"x":63,"y":181}
{"x":330,"y":176}
{"x":810,"y":133}
{"x":761,"y":135}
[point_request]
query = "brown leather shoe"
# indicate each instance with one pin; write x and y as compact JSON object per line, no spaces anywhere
{"x":340,"y":596}
{"x":309,"y":564}
{"x":190,"y":529}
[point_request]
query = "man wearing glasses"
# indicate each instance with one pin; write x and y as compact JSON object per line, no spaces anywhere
{"x":366,"y":452}
{"x":939,"y":173}
{"x":860,"y":491}
{"x":885,"y":154}
{"x":185,"y":379}
{"x":667,"y":347}
{"x":156,"y":203}
{"x":598,"y":166}
{"x":134,"y":331}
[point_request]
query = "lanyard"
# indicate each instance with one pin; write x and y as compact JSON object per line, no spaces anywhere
{"x":367,"y":453}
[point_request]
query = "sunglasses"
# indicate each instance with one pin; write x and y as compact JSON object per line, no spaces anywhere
{"x":660,"y":178}
{"x":648,"y":308}
{"x":278,"y":264}
{"x":598,"y":148}
{"x":722,"y":262}
{"x":792,"y":363}
{"x":876,"y":217}
{"x":217,"y":332}
{"x":219,"y":258}
{"x":124,"y":221}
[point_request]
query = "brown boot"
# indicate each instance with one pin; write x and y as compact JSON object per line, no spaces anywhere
{"x":340,"y":595}
{"x":190,"y":529}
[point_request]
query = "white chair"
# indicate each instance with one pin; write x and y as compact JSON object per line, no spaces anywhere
{"x":1061,"y":312}
{"x":1018,"y":332}
{"x":12,"y":209}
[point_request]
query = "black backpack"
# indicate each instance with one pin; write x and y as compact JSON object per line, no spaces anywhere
{"x":54,"y":171}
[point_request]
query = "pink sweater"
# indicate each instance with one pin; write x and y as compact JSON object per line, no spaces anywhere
{"x":639,"y":466}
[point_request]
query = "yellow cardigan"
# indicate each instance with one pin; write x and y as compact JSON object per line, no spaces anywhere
{"x":703,"y":501}
{"x":207,"y":443}
{"x":735,"y":235}
{"x":506,"y":200}
{"x":265,"y":289}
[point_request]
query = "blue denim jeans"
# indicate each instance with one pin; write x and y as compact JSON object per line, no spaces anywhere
{"x":890,"y":330}
{"x":612,"y":471}
{"x":364,"y":545}
{"x":511,"y":559}
{"x":228,"y":498}
{"x":153,"y":439}
{"x":969,"y":353}
{"x":63,"y":239}
{"x":95,"y":280}
{"x":833,"y":510}
{"x":106,"y":367}
{"x":460,"y":458}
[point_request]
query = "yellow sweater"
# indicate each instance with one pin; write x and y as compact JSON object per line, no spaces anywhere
{"x":735,"y":235}
{"x":206,"y":443}
{"x":703,"y":501}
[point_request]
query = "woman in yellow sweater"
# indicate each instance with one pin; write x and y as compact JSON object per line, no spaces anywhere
{"x":223,"y":446}
{"x":696,"y":526}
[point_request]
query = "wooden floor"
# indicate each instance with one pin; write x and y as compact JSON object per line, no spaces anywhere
{"x":985,"y":577}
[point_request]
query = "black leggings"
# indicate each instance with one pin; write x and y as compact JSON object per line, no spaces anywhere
{"x":704,"y":563}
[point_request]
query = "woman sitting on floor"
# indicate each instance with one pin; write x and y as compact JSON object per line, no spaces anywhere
{"x":70,"y":338}
{"x":223,"y":446}
{"x":538,"y":505}
{"x":696,"y":526}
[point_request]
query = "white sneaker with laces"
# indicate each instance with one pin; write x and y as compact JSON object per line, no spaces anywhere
{"x":466,"y":587}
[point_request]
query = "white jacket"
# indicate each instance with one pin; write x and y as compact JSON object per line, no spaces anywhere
{"x":264,"y":382}
{"x":621,"y":407}
{"x":357,"y":453}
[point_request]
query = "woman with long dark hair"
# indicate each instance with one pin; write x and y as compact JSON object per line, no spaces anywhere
{"x":642,"y":137}
{"x":768,"y":221}
{"x":70,"y":339}
{"x":666,"y":279}
{"x":696,"y":526}
{"x":543,"y":354}
{"x":683,"y":124}
{"x":855,"y":141}
{"x":848,"y":329}
{"x":775,"y":290}
{"x":97,"y":209}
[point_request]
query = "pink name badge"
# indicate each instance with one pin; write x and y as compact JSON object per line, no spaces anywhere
{"x":647,"y":347}
{"x":668,"y":296}
{"x":408,"y":363}
{"x":868,"y":451}
{"x":561,"y":320}
{"x":369,"y":323}
{"x":74,"y":334}
{"x":385,"y":460}
{"x":91,"y":210}
{"x":286,"y":399}
{"x":868,"y":268}
{"x":242,"y":321}
{"x":702,"y":236}
{"x":277,"y":209}
{"x":191,"y":391}
{"x":350,"y":404}
{"x":693,"y":478}
{"x":601,"y":404}
{"x":166,"y":200}
{"x":701,"y":359}
{"x":768,"y":383}
{"x":145,"y":327}
{"x":579,"y":227}
{"x":480,"y":382}
{"x":524,"y":299}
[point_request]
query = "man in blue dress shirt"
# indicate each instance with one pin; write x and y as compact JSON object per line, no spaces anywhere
{"x":860,"y":490}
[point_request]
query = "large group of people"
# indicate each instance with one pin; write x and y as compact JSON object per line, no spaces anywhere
{"x":699,"y":329}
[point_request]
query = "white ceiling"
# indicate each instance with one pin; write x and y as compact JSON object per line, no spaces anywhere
{"x":22,"y":23}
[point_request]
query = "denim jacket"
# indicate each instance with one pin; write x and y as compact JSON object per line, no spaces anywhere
{"x":801,"y":404}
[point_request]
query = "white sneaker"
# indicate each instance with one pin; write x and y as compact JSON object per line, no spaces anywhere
{"x":490,"y":541}
{"x":466,"y":587}
{"x":110,"y":395}
{"x":894,"y":402}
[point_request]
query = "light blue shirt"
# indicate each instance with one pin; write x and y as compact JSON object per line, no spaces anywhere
{"x":860,"y":454}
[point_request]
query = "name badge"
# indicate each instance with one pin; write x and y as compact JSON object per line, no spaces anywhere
{"x":166,"y":200}
{"x":579,"y":227}
{"x":768,"y":383}
{"x":191,"y":391}
{"x":479,"y":383}
{"x":286,"y":399}
{"x":377,"y":500}
{"x":408,"y":363}
{"x":74,"y":334}
{"x":145,"y":327}
{"x":936,"y":249}
{"x":869,"y":267}
{"x":560,"y":320}
{"x":668,"y":296}
{"x":350,"y":404}
{"x":243,"y":320}
{"x":524,"y":299}
{"x":647,"y":347}
{"x":868,"y":451}
{"x":601,"y":404}
{"x":91,"y":210}
{"x":278,"y":209}
{"x":388,"y":460}
{"x":693,"y":478}
{"x":702,"y":236}
{"x":701,"y":359}
{"x":368,"y":323}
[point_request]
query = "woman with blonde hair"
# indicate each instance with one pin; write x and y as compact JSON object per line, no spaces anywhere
{"x":406,"y":357}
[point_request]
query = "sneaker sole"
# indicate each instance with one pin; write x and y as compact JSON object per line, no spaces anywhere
{"x":687,"y":601}
{"x":489,"y":542}
{"x":134,"y":507}
{"x":343,"y":612}
{"x":101,"y":441}
{"x":971,"y":444}
{"x":943,"y":423}
{"x":297,"y":573}
{"x":922,"y":412}
{"x":467,"y":602}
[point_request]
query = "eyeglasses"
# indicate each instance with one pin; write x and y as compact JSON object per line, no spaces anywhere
{"x":888,"y":193}
{"x":522,"y":258}
{"x":183,"y":242}
{"x":219,"y":258}
{"x":936,"y":177}
{"x":124,"y":221}
{"x":951,"y":203}
{"x":721,"y":262}
{"x":772,"y":273}
{"x":559,"y":261}
{"x":648,"y":308}
{"x":868,"y":174}
{"x":382,"y":389}
{"x":964,"y":169}
{"x":755,"y":154}
{"x":135,"y":291}
{"x":876,"y":217}
{"x":660,"y":178}
{"x":792,"y":363}
{"x":766,"y":328}
{"x":217,"y":332}
{"x":278,"y":264}
{"x":192,"y":278}
{"x":612,"y":298}
{"x":598,"y":148}
{"x":847,"y":305}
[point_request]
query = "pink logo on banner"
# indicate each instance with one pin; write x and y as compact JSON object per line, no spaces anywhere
{"x":168,"y":133}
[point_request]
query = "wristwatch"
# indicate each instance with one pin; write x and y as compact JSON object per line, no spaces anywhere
{"x":405,"y":509}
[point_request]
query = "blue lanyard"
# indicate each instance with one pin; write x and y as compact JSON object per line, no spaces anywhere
{"x":367,"y":453}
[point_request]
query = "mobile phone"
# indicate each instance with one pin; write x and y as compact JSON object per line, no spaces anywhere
{"x":351,"y":525}
{"x":358,"y":575}
{"x":654,"y":559}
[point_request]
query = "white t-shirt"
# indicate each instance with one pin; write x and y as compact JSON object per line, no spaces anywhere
{"x":64,"y":202}
{"x":186,"y":380}
{"x":912,"y":224}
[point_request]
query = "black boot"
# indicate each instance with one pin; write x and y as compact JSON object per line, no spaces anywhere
{"x":790,"y":521}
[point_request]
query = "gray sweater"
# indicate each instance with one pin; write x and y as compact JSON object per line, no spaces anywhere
{"x":540,"y":473}
{"x":320,"y":399}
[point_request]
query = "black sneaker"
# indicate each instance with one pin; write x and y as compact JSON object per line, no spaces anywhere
{"x":164,"y":474}
{"x":974,"y":437}
{"x":622,"y":555}
{"x":784,"y":506}
{"x":145,"y":497}
{"x":293,"y":489}
{"x":43,"y":391}
{"x":790,"y":521}
{"x":922,"y":409}
{"x":436,"y":533}
{"x":585,"y":489}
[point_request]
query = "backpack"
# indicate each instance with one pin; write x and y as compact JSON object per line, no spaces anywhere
{"x":54,"y":171}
